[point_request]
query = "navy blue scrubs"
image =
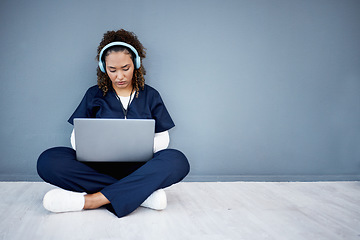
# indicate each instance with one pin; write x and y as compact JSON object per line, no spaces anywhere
{"x":125,"y":185}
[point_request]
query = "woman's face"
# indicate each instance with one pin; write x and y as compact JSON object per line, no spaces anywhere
{"x":120,"y":69}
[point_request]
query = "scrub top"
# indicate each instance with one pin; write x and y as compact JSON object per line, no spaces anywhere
{"x":148,"y":105}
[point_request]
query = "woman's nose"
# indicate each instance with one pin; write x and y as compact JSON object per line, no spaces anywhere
{"x":120,"y":75}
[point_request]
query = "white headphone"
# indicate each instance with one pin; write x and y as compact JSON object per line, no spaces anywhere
{"x":137,"y":61}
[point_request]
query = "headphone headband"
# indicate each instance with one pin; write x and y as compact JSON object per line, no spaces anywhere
{"x":137,"y":61}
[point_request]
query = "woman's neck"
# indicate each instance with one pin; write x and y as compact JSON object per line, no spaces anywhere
{"x":124,"y":92}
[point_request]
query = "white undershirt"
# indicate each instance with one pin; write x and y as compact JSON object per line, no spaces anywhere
{"x":161,"y":139}
{"x":125,"y":100}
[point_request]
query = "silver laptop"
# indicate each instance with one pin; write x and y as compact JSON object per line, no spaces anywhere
{"x":114,"y":140}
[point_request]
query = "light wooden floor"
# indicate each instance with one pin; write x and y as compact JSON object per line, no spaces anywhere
{"x":221,"y":211}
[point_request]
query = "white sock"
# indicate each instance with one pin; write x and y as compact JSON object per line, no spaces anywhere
{"x":157,"y":200}
{"x":60,"y":200}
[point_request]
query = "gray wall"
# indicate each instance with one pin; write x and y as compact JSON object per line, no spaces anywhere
{"x":259,"y":90}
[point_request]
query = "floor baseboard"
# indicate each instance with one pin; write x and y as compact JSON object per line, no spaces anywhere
{"x":270,"y":178}
{"x":219,"y":178}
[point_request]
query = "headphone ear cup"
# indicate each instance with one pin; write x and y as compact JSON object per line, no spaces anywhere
{"x":102,"y":66}
{"x":138,"y":62}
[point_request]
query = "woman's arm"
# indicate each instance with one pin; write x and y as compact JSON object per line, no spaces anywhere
{"x":72,"y":139}
{"x":161,"y":140}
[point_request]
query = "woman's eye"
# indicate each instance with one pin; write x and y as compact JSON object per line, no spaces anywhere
{"x":126,"y":69}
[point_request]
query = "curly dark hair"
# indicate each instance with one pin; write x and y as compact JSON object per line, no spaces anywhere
{"x":122,"y":35}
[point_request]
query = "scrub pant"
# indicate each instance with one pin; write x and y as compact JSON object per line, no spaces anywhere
{"x":125,"y":185}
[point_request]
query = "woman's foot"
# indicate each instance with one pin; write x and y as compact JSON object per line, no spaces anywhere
{"x":59,"y":200}
{"x":157,"y":200}
{"x":95,"y":200}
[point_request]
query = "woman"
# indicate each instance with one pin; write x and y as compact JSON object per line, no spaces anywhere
{"x":121,"y":92}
